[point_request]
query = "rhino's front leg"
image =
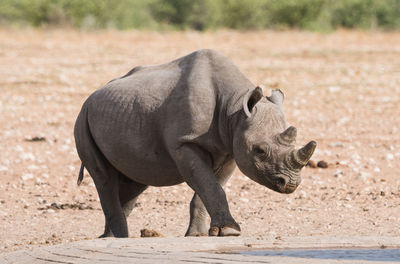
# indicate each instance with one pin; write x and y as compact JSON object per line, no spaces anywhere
{"x":195,"y":167}
{"x":198,"y":212}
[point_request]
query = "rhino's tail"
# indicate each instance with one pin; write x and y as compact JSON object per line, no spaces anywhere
{"x":80,"y":177}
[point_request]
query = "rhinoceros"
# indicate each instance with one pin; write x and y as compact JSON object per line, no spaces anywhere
{"x":191,"y":120}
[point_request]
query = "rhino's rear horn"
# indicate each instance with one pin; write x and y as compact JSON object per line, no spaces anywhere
{"x":276,"y":97}
{"x":302,"y":156}
{"x":288,"y":136}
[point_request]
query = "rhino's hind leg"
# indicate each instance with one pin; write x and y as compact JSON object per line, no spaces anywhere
{"x":198,"y":218}
{"x":108,"y":188}
{"x":104,"y":175}
{"x":129,"y":191}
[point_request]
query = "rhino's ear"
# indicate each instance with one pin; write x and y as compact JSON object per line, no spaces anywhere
{"x":276,"y":97}
{"x":250,"y":100}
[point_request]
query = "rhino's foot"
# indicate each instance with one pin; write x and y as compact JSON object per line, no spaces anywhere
{"x":108,"y":234}
{"x":197,"y":228}
{"x":225,"y":230}
{"x":196,"y":234}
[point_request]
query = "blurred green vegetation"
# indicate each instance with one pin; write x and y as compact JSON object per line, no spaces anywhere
{"x":319,"y":15}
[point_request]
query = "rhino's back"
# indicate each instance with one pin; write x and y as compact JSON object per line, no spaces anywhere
{"x":134,"y":119}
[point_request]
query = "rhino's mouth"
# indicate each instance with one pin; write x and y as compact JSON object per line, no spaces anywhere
{"x":279,"y":182}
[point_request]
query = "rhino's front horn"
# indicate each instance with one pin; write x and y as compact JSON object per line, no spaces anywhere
{"x":288,"y":136}
{"x":302,"y":156}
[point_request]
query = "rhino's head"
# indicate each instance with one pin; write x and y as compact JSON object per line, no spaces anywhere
{"x":264,"y":148}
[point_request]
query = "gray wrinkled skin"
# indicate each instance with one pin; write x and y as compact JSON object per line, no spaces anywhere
{"x":190,"y":120}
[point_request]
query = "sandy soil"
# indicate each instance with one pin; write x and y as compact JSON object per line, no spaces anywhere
{"x":342,"y":90}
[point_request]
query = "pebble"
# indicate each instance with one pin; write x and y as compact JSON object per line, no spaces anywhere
{"x":3,"y":168}
{"x":364,"y":176}
{"x":356,"y":156}
{"x":35,"y":139}
{"x":333,"y":89}
{"x":322,"y":164}
{"x":27,"y":156}
{"x":338,"y":174}
{"x":244,"y":199}
{"x":149,"y":233}
{"x":26,"y":176}
{"x":302,"y":194}
{"x":343,"y":120}
{"x":389,"y":156}
{"x":39,"y":181}
{"x":33,"y":167}
{"x":337,"y":144}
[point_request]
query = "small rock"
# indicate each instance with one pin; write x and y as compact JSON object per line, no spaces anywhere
{"x":338,"y":174}
{"x":355,"y":156}
{"x":343,"y":120}
{"x":337,"y":144}
{"x":364,"y":176}
{"x":302,"y":194}
{"x":3,"y":168}
{"x":35,"y":139}
{"x":333,"y":89}
{"x":322,"y":164}
{"x":55,"y":206}
{"x":33,"y":167}
{"x":27,"y":156}
{"x":311,"y":164}
{"x":244,"y":199}
{"x":27,"y":176}
{"x":88,"y":207}
{"x":149,"y":233}
{"x":39,"y":181}
{"x":389,"y":156}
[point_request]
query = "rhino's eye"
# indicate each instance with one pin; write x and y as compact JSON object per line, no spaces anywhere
{"x":261,"y":150}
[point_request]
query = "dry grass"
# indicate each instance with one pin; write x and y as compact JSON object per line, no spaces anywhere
{"x":342,"y":90}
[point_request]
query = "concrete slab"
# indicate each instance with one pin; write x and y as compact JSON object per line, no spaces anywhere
{"x":193,"y":250}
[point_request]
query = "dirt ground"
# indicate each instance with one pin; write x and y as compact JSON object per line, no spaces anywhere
{"x":342,"y":90}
